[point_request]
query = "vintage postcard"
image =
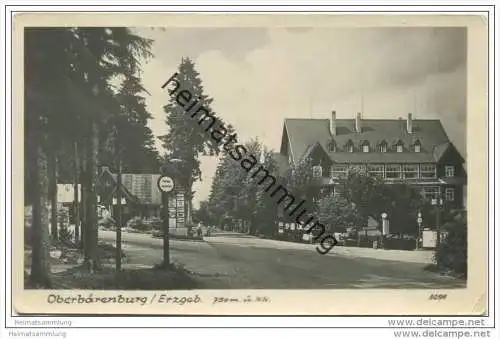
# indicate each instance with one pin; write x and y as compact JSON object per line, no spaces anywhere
{"x":250,"y":164}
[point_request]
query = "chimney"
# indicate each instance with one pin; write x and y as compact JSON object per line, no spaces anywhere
{"x":333,"y":124}
{"x":358,"y":122}
{"x":409,"y":124}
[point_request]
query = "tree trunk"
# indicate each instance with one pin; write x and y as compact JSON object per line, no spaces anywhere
{"x":188,"y":202}
{"x":40,"y":257}
{"x":91,"y":207}
{"x":52,"y":168}
{"x":84,"y":197}
{"x":76,"y":205}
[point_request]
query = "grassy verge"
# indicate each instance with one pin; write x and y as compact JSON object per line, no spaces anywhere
{"x":108,"y":279}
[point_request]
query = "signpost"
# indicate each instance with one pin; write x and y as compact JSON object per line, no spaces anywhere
{"x":165,"y":185}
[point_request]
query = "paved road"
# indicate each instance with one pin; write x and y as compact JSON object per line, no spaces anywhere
{"x":251,"y":263}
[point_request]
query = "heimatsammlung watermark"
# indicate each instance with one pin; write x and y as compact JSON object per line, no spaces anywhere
{"x":219,"y":134}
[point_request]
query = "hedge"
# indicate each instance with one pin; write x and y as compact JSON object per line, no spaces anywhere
{"x":452,"y":251}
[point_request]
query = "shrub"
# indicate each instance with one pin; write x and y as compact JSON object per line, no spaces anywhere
{"x":106,"y":222}
{"x":452,"y":251}
{"x":154,"y":223}
{"x":65,"y":235}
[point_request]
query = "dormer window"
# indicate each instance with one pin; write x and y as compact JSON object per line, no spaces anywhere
{"x":383,"y":147}
{"x":365,"y":146}
{"x":417,"y":147}
{"x":399,"y":147}
{"x":332,"y":146}
{"x":350,"y":146}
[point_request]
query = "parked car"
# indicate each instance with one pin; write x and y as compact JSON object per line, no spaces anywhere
{"x":340,"y":238}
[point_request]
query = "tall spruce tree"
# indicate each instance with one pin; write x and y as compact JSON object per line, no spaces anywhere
{"x":186,"y":138}
{"x":69,"y":100}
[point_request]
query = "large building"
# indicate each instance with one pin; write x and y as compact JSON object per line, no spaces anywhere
{"x":413,"y":151}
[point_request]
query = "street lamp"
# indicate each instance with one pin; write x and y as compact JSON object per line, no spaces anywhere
{"x":166,"y":184}
{"x":419,"y":234}
{"x":385,"y":228}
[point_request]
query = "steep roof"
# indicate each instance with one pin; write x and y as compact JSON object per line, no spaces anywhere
{"x":281,"y":163}
{"x":140,"y":188}
{"x":143,"y":187}
{"x":305,"y":133}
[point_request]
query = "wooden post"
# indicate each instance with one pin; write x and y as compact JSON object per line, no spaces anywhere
{"x":166,"y":230}
{"x":119,"y":217}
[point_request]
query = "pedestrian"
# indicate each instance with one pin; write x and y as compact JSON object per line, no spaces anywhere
{"x":199,"y":230}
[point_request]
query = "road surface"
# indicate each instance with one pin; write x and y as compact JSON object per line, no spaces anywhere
{"x":245,"y":262}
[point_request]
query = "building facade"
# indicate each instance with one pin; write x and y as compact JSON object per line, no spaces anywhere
{"x":413,"y":151}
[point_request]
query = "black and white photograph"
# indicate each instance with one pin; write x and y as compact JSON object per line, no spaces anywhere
{"x":299,"y":157}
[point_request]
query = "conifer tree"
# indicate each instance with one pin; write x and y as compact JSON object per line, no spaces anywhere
{"x":186,"y":139}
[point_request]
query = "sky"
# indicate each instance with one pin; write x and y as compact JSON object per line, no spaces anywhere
{"x":260,"y":76}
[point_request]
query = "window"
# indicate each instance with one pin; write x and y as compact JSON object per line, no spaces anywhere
{"x":431,"y":192}
{"x":410,"y":171}
{"x":428,"y":171}
{"x":365,"y":146}
{"x":357,"y":168}
{"x":417,"y":146}
{"x":393,"y":171}
{"x":350,"y":146}
{"x":339,"y":171}
{"x":450,"y":171}
{"x":376,"y":170}
{"x":398,"y":146}
{"x":383,"y":147}
{"x":449,"y":194}
{"x":331,"y":146}
{"x":317,"y":171}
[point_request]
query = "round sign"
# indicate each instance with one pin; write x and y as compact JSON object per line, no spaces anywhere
{"x":384,"y":215}
{"x":419,"y":220}
{"x":165,"y":184}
